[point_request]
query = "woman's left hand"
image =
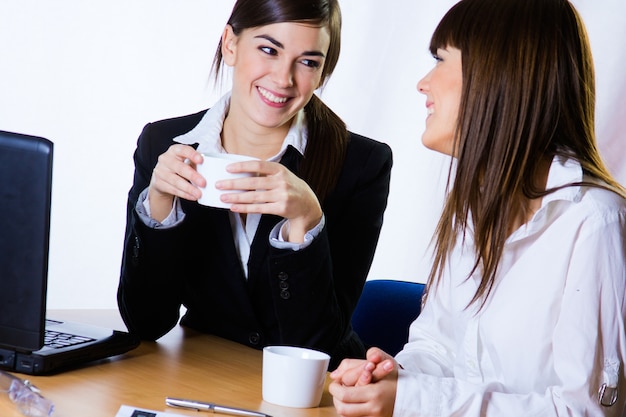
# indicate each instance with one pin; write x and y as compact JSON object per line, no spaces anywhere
{"x":365,"y":387}
{"x":275,"y":190}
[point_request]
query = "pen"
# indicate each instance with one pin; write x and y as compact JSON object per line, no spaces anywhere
{"x":215,"y":408}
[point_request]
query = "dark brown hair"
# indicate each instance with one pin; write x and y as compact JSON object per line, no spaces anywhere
{"x":327,"y":134}
{"x":528,"y":94}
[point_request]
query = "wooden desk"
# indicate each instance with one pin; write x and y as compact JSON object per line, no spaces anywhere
{"x":181,"y":364}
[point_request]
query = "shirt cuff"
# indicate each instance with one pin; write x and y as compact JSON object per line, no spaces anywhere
{"x":174,"y":218}
{"x":277,"y":241}
{"x":419,"y":394}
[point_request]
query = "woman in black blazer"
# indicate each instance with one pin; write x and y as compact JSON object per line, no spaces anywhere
{"x":287,"y":262}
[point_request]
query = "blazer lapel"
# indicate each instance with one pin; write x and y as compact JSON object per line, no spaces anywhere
{"x":259,"y":249}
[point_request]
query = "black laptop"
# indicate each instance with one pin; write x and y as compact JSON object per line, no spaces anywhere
{"x":30,"y":343}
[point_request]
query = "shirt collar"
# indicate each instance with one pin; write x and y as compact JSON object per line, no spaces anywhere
{"x":207,"y":133}
{"x":563,"y":171}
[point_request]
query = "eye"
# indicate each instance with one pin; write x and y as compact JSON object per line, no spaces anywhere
{"x":311,"y":63}
{"x":268,"y":50}
{"x":437,"y":58}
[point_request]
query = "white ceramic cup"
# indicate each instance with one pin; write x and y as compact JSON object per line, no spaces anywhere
{"x":294,"y":376}
{"x":213,"y":169}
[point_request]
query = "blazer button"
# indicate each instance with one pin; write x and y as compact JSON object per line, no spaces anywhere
{"x":135,"y":256}
{"x":285,"y":295}
{"x":254,"y":338}
{"x":283,"y":276}
{"x":283,"y":285}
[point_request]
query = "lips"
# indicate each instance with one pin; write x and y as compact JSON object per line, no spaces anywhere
{"x":271,"y":97}
{"x":430,"y":108}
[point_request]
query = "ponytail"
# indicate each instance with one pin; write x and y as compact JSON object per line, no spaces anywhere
{"x":326,"y":148}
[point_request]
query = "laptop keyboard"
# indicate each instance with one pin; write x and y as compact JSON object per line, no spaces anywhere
{"x":57,"y":340}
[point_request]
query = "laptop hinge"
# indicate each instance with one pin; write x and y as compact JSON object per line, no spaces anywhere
{"x":7,"y":359}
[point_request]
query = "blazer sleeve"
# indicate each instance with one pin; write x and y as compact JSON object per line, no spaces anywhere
{"x":316,"y":289}
{"x":148,"y":299}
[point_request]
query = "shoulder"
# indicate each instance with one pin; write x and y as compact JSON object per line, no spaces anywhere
{"x":157,"y":137}
{"x":175,"y":126}
{"x":361,"y":142}
{"x":602,"y":203}
{"x":593,"y":213}
{"x":367,"y":163}
{"x":363,"y":150}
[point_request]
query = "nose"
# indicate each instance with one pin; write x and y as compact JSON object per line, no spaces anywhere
{"x":283,"y":75}
{"x":422,"y":85}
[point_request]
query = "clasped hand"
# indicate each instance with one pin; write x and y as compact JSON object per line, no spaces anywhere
{"x":275,"y":190}
{"x":365,"y":387}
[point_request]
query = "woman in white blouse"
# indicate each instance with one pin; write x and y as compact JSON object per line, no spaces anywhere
{"x":524,"y":313}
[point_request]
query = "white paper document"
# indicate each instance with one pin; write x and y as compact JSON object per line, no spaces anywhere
{"x":128,"y":411}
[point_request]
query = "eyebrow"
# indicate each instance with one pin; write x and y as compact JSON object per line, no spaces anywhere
{"x":279,"y":45}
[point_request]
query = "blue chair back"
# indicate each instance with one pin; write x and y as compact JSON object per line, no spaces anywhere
{"x":385,"y":311}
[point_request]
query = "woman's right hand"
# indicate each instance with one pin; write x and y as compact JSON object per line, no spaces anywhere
{"x":357,"y":372}
{"x":172,"y":176}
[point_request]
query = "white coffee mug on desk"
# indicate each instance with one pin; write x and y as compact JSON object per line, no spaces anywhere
{"x":213,"y":169}
{"x":294,"y":376}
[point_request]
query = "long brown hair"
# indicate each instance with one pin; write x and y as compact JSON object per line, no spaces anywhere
{"x":327,"y":134}
{"x":528,"y":94}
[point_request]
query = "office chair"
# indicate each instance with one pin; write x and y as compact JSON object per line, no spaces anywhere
{"x":385,"y":311}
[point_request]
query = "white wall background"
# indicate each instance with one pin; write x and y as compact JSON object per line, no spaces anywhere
{"x":89,"y":75}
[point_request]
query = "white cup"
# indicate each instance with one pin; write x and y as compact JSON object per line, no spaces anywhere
{"x":213,"y":169}
{"x":294,"y":376}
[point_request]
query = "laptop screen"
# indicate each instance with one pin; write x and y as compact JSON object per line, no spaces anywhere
{"x":25,"y":198}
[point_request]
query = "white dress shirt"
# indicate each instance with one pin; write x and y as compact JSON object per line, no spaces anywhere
{"x":207,"y":134}
{"x":551,"y":334}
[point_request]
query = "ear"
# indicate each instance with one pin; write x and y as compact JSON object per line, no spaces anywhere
{"x":229,"y":46}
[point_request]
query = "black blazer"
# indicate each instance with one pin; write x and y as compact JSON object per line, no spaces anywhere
{"x":303,"y":298}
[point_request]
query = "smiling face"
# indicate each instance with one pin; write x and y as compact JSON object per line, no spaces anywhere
{"x":276,"y":69}
{"x":442,"y":87}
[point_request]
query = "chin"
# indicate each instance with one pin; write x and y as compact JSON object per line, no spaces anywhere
{"x":437,"y":144}
{"x":429,"y":143}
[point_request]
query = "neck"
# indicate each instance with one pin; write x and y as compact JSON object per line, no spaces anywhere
{"x":528,"y":207}
{"x":252,"y":140}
